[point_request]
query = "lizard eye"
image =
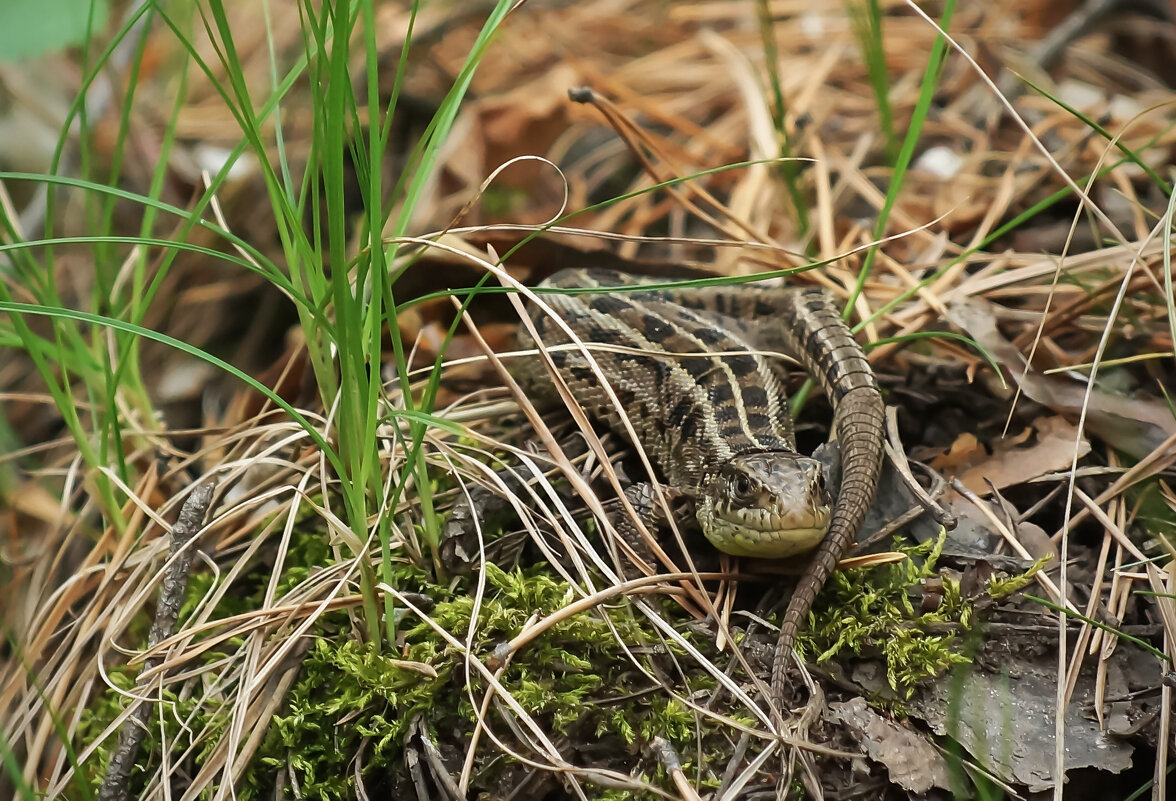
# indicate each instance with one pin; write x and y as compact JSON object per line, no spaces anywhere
{"x":742,"y":485}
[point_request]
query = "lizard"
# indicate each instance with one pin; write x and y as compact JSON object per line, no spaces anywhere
{"x":693,"y":371}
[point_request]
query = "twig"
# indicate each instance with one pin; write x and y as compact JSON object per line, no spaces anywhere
{"x":672,"y":764}
{"x":171,"y":596}
{"x":898,"y":459}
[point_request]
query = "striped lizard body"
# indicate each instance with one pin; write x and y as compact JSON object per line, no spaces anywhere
{"x":693,"y":370}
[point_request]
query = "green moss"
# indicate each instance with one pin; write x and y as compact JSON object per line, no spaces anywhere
{"x":1004,"y":586}
{"x":869,"y":609}
{"x":353,"y":702}
{"x":574,"y":680}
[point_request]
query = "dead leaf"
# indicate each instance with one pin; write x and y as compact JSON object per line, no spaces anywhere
{"x":913,"y":763}
{"x":1008,"y":723}
{"x":1134,"y":426}
{"x":1010,"y":465}
{"x":964,"y":452}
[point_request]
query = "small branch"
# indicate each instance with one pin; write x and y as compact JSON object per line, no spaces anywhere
{"x":171,"y":596}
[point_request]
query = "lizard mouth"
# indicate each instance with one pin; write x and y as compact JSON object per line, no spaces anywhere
{"x":767,"y":505}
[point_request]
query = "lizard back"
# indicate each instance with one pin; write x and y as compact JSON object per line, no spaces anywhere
{"x":690,"y":378}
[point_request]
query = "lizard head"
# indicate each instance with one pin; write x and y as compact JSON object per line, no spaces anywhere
{"x":766,"y":505}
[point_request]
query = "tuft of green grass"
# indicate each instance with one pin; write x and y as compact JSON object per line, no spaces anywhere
{"x":865,"y":17}
{"x":340,"y":284}
{"x":789,"y":169}
{"x":906,"y":152}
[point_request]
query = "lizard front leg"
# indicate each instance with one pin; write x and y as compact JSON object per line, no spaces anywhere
{"x":652,"y":514}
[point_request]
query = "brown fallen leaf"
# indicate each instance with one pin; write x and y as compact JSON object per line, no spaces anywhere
{"x":1132,"y":425}
{"x":1008,"y":723}
{"x":912,"y":762}
{"x":1010,"y":464}
{"x":963,"y":453}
